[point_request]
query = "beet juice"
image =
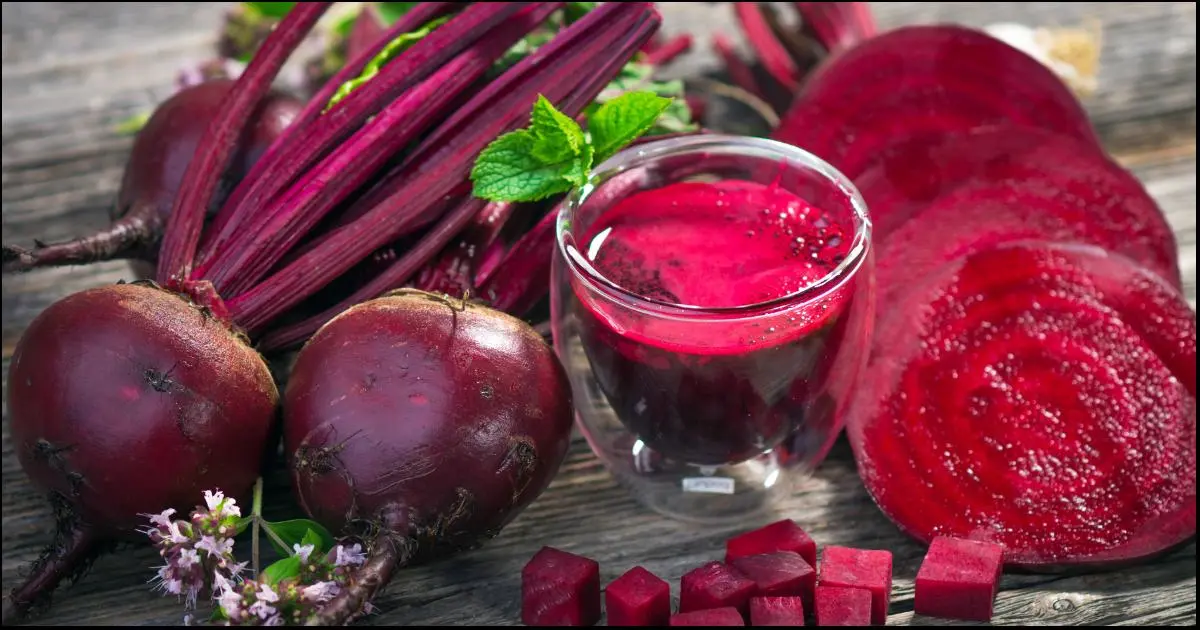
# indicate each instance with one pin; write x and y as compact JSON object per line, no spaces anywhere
{"x":712,"y":318}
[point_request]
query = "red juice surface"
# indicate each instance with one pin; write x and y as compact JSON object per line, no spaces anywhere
{"x":714,"y":388}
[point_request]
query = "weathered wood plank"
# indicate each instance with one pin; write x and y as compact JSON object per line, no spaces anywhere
{"x":73,"y":70}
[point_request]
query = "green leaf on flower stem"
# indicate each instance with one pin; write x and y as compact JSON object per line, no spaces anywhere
{"x":281,"y":570}
{"x":300,"y":531}
{"x":243,"y":524}
{"x":271,"y":9}
{"x":391,"y":51}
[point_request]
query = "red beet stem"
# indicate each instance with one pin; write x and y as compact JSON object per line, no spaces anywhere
{"x":454,"y":270}
{"x":837,"y":25}
{"x":523,"y":276}
{"x":365,"y":34}
{"x":71,"y":552}
{"x":739,"y":71}
{"x":219,"y":142}
{"x":269,"y":177}
{"x":392,"y":277}
{"x":770,"y":51}
{"x":290,"y":217}
{"x":666,"y":53}
{"x":125,"y":238}
{"x":439,"y":167}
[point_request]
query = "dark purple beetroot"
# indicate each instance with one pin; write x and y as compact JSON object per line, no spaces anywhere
{"x":715,"y":585}
{"x":958,"y":579}
{"x":638,"y":598}
{"x":436,"y":419}
{"x":779,"y":573}
{"x":711,"y":617}
{"x":126,"y":400}
{"x":924,"y":80}
{"x":842,"y":606}
{"x":153,"y":174}
{"x":776,"y":611}
{"x":933,"y":198}
{"x":1040,"y":397}
{"x":869,"y":569}
{"x":560,"y":589}
{"x":783,"y":535}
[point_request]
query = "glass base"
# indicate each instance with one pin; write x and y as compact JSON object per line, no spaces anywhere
{"x":680,"y":490}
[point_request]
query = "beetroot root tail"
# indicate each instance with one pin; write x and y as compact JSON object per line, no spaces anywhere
{"x":66,"y":558}
{"x":387,"y":555}
{"x":126,"y":238}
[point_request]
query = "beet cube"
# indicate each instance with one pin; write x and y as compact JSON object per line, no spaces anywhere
{"x":958,"y":579}
{"x":783,"y":535}
{"x":560,"y":589}
{"x":776,"y":611}
{"x":711,"y":617}
{"x":869,"y":569}
{"x":842,"y":606}
{"x":779,"y":573}
{"x":715,"y":585}
{"x":638,"y":598}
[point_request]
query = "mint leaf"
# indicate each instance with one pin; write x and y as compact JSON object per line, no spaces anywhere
{"x":298,"y":531}
{"x":556,"y":138}
{"x":622,"y":120}
{"x":389,"y":52}
{"x":281,"y":570}
{"x":271,"y":9}
{"x":391,"y":12}
{"x":507,"y":170}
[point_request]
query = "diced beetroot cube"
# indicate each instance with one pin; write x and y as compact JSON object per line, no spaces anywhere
{"x":779,"y":573}
{"x":715,"y":585}
{"x":560,"y":589}
{"x":861,"y":568}
{"x":711,"y":617}
{"x":638,"y":598}
{"x":841,"y":606}
{"x":958,"y":579}
{"x":783,"y":535}
{"x":776,"y":611}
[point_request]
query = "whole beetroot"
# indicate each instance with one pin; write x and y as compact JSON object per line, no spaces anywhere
{"x":429,"y":421}
{"x":154,"y":173}
{"x":125,"y":400}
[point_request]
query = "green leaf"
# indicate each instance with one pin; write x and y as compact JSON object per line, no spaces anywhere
{"x":316,"y":540}
{"x":243,"y":523}
{"x":130,"y":126}
{"x":622,"y":120}
{"x":281,"y":570}
{"x":391,"y":12}
{"x":508,"y":171}
{"x":271,"y":9}
{"x":297,"y":532}
{"x":575,"y":10}
{"x":556,"y":138}
{"x":389,"y":52}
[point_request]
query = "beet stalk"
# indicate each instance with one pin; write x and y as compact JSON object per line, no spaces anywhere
{"x":771,"y":53}
{"x":454,"y":271}
{"x":523,"y":275}
{"x":669,"y":51}
{"x":153,"y":174}
{"x":446,"y":157}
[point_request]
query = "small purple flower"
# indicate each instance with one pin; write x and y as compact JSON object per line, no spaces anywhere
{"x":349,"y":557}
{"x":321,"y":592}
{"x":302,"y":551}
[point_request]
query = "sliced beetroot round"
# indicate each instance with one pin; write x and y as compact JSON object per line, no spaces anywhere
{"x":922,"y":80}
{"x":1037,"y":396}
{"x":1053,"y":181}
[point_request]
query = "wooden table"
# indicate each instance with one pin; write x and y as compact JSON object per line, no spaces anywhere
{"x":71,"y":71}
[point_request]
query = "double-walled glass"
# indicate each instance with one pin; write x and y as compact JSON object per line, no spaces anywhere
{"x":706,"y":413}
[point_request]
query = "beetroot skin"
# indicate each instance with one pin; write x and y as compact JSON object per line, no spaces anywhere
{"x":154,"y":173}
{"x":776,"y":611}
{"x":727,"y":616}
{"x":560,"y":589}
{"x":924,"y":81}
{"x":715,"y":585}
{"x":869,"y":569}
{"x":438,"y":419}
{"x":779,"y":573}
{"x":842,"y":606}
{"x":122,"y":401}
{"x":783,"y":535}
{"x":1040,"y":397}
{"x":638,"y":598}
{"x":958,"y":579}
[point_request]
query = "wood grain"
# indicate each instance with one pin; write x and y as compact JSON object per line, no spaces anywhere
{"x":71,"y":71}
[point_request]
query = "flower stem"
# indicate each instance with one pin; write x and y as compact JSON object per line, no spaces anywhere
{"x":255,"y":517}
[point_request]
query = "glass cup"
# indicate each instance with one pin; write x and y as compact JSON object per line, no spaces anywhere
{"x":707,"y":414}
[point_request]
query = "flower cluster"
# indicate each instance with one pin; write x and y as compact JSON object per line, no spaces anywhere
{"x":294,"y":599}
{"x":199,"y":552}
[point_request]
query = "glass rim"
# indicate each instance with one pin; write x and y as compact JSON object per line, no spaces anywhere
{"x":632,"y":157}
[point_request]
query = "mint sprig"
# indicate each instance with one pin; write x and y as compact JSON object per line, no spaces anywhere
{"x":554,"y":154}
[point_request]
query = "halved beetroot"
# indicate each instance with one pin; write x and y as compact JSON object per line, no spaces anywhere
{"x":1003,"y":183}
{"x":922,"y":80}
{"x":1040,"y":397}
